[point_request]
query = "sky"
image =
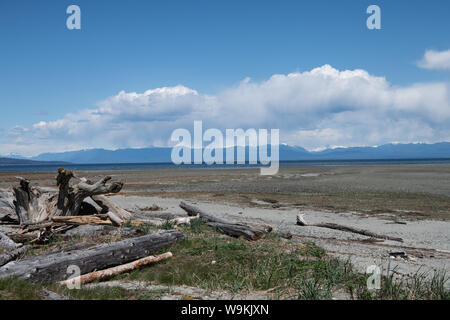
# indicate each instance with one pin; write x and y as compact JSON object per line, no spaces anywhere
{"x":137,"y":70}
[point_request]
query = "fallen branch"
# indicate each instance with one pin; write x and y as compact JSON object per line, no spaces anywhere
{"x":182,"y":220}
{"x":54,"y":266}
{"x":111,"y":272}
{"x":109,"y":206}
{"x":301,"y":222}
{"x":114,"y":219}
{"x":228,"y":227}
{"x":102,"y":219}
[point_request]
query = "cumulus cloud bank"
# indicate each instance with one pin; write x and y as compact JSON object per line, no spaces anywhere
{"x":323,"y":107}
{"x":436,"y":60}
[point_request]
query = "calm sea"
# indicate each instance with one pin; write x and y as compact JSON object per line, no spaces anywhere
{"x":150,"y":166}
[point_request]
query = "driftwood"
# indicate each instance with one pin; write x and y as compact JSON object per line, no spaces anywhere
{"x":26,"y":237}
{"x":43,"y":213}
{"x":237,"y":230}
{"x":54,"y":266}
{"x":301,"y":222}
{"x":182,"y":220}
{"x":7,"y":208}
{"x":12,"y":255}
{"x":6,"y":243}
{"x":285,"y":235}
{"x":28,"y":204}
{"x":80,"y":220}
{"x":194,"y":211}
{"x":109,"y":206}
{"x":230,"y":228}
{"x":111,"y":272}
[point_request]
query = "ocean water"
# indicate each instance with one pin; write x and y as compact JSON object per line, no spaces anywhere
{"x":150,"y":166}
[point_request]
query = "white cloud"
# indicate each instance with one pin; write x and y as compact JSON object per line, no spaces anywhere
{"x":436,"y":60}
{"x":314,"y":109}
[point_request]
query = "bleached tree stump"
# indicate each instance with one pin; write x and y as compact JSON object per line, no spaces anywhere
{"x":27,"y":204}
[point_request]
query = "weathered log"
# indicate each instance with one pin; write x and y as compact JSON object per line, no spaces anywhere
{"x":6,"y":243}
{"x":88,"y":230}
{"x":237,"y":230}
{"x":194,"y":211}
{"x":301,"y":222}
{"x":12,"y":255}
{"x":111,"y":272}
{"x":230,"y":228}
{"x":54,"y":266}
{"x":260,"y":226}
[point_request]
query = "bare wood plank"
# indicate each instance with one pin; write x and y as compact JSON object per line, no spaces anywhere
{"x":79,"y":220}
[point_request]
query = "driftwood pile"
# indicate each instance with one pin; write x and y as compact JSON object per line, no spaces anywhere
{"x":41,"y":214}
{"x":37,"y":215}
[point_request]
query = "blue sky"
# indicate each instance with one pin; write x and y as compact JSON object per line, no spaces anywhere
{"x":48,"y":71}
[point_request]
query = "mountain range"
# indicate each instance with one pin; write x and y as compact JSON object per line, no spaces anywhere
{"x":287,"y":153}
{"x":6,"y":161}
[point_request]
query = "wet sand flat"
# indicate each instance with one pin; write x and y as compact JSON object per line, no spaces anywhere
{"x":408,"y":191}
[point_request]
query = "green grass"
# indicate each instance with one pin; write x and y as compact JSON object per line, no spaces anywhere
{"x":421,"y":285}
{"x":14,"y":289}
{"x":239,"y":265}
{"x":288,"y":270}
